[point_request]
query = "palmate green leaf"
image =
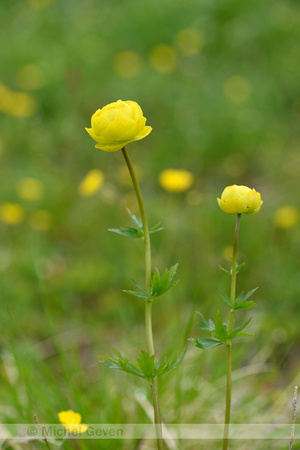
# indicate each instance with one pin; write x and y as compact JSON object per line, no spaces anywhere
{"x":147,"y":364}
{"x":127,"y":232}
{"x":136,"y":221}
{"x":166,"y":366}
{"x":241,"y":300}
{"x":237,"y":331}
{"x":226,"y":299}
{"x":220,"y":331}
{"x":206,"y":344}
{"x":121,"y":363}
{"x":161,"y":284}
{"x":203,"y":324}
{"x":143,"y":294}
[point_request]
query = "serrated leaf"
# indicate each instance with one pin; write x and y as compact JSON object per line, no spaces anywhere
{"x":147,"y":364}
{"x":203,"y":324}
{"x":136,"y":293}
{"x":246,"y":296}
{"x":226,"y":299}
{"x":166,"y":366}
{"x":121,"y":363}
{"x":140,"y":287}
{"x":220,"y":331}
{"x":135,"y":220}
{"x":243,"y":305}
{"x":161,"y":284}
{"x":206,"y":344}
{"x":127,"y":232}
{"x":237,"y":331}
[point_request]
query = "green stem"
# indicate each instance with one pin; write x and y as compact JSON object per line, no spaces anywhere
{"x":230,"y":329}
{"x":148,"y":303}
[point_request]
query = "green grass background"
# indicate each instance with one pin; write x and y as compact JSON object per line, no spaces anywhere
{"x":61,"y":290}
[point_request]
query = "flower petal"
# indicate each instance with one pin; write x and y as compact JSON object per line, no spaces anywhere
{"x":116,"y":129}
{"x":99,"y":123}
{"x":143,"y":133}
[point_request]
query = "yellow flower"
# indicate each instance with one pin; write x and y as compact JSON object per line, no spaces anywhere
{"x":30,"y":189}
{"x":127,"y":64}
{"x":240,"y":200}
{"x":189,"y":41}
{"x":11,"y":213}
{"x":91,"y":183}
{"x":118,"y":124}
{"x":72,"y":422}
{"x":163,"y":58}
{"x":286,"y":217}
{"x":176,"y":180}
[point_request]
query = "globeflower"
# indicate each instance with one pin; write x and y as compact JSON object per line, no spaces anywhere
{"x":72,"y":422}
{"x":240,"y":200}
{"x":176,"y":180}
{"x":117,"y":124}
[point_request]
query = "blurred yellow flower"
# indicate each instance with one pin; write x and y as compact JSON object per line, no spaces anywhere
{"x":286,"y":217}
{"x":227,"y":252}
{"x":163,"y":58}
{"x":40,"y":220}
{"x":30,"y":189}
{"x":72,"y":422}
{"x":240,"y":200}
{"x":91,"y":183}
{"x":127,"y":64}
{"x":237,"y":89}
{"x":23,"y":105}
{"x":30,"y":77}
{"x":11,"y":213}
{"x":118,"y":124}
{"x":189,"y":41}
{"x":176,"y":180}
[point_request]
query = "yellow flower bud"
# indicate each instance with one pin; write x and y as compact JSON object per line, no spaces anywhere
{"x":118,"y":124}
{"x":240,"y":200}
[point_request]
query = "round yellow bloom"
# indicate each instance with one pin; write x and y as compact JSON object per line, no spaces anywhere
{"x":240,"y":200}
{"x":127,"y":64}
{"x":72,"y":422}
{"x":118,"y":124}
{"x":176,"y":180}
{"x":286,"y":217}
{"x":30,"y":189}
{"x":11,"y":213}
{"x":163,"y":58}
{"x":91,"y":183}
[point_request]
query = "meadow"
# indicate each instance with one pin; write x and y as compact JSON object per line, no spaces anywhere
{"x":218,"y":81}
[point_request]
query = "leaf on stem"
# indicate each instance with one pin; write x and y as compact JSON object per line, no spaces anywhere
{"x":127,"y":232}
{"x":121,"y":363}
{"x":237,"y":331}
{"x":241,"y":300}
{"x":206,"y":344}
{"x":161,"y":284}
{"x":203,"y":324}
{"x":143,"y":294}
{"x":220,"y":331}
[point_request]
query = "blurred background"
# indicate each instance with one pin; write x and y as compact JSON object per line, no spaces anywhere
{"x":219,"y":83}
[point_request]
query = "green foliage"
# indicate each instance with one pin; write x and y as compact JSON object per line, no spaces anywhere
{"x":241,"y":300}
{"x":161,"y":284}
{"x":148,"y":366}
{"x":229,"y":272}
{"x":218,"y":330}
{"x":138,"y":232}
